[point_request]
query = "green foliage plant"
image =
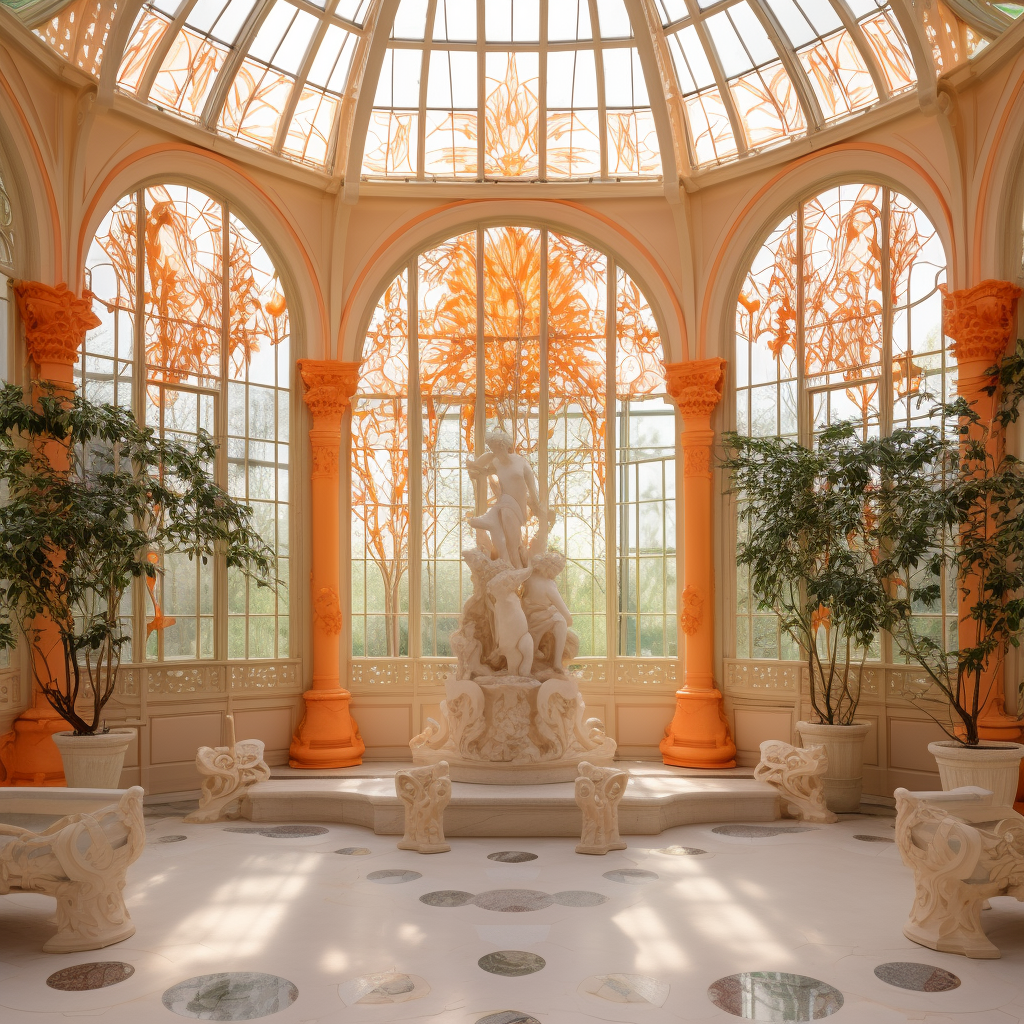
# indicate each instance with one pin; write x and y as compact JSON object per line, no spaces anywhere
{"x":89,"y":494}
{"x":807,"y":545}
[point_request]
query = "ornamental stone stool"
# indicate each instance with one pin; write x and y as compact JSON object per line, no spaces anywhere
{"x":229,"y":772}
{"x":425,"y":793}
{"x":963,"y":850}
{"x":598,"y":792}
{"x":80,"y":859}
{"x":797,"y":773}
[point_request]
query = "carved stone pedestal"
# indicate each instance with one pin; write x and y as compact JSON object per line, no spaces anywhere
{"x":797,"y":773}
{"x":425,"y":793}
{"x":228,"y":772}
{"x":327,"y":736}
{"x":598,"y":792}
{"x":509,"y":730}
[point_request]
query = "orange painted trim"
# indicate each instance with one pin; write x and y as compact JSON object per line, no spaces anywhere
{"x":181,"y":147}
{"x":51,"y":196}
{"x":434,"y":211}
{"x":869,"y":147}
{"x":986,"y":180}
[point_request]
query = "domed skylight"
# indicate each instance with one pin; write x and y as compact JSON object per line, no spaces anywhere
{"x":490,"y":89}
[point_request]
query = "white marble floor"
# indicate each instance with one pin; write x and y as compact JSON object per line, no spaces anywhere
{"x":818,"y":903}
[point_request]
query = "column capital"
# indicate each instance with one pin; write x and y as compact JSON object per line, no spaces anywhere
{"x":330,"y":385}
{"x":696,"y":386}
{"x":980,"y":320}
{"x":55,"y":321}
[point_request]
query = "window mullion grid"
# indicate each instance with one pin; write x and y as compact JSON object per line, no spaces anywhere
{"x":723,"y":86}
{"x":156,"y":60}
{"x":886,"y":398}
{"x":805,"y":401}
{"x":542,"y":412}
{"x":481,"y":128}
{"x":613,"y":646}
{"x":480,"y":403}
{"x":602,"y":101}
{"x":300,"y":80}
{"x":861,"y":42}
{"x":220,"y":469}
{"x":542,"y":100}
{"x":139,"y":404}
{"x":414,"y":433}
{"x":421,"y":124}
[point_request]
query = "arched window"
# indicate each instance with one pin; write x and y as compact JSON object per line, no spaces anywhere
{"x":540,"y":334}
{"x":840,"y":318}
{"x":195,"y":335}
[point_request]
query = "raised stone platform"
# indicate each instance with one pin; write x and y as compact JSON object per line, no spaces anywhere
{"x":654,"y":801}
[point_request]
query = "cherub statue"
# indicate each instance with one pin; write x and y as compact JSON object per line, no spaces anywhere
{"x":517,"y":494}
{"x":544,"y":608}
{"x":468,"y":652}
{"x":512,"y":632}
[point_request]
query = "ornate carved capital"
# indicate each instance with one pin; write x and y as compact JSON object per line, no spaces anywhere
{"x":696,"y":387}
{"x":55,"y":321}
{"x":330,"y":386}
{"x":980,"y":320}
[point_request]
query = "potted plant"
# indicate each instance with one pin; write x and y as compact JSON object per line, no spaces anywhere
{"x":805,"y":543}
{"x":959,"y":514}
{"x":92,"y":499}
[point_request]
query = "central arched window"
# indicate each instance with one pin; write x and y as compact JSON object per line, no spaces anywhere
{"x":542,"y":335}
{"x":840,"y":318}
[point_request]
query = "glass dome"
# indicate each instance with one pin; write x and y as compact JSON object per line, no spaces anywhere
{"x":473,"y":90}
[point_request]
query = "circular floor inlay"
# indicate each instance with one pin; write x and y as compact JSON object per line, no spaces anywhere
{"x":875,"y":839}
{"x":631,"y":876}
{"x":681,"y":851}
{"x":508,"y":1017}
{"x":169,"y":839}
{"x":758,"y":831}
{"x":511,"y":963}
{"x":384,"y":988}
{"x":916,"y":977}
{"x":511,"y":857}
{"x":513,"y":901}
{"x":626,"y":988}
{"x":241,"y":995}
{"x":772,"y":996}
{"x":579,"y":898}
{"x":392,"y":876}
{"x":353,"y":851}
{"x":447,"y":898}
{"x":291,"y":831}
{"x":84,"y":977}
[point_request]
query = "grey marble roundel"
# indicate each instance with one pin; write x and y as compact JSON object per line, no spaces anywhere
{"x":579,"y":898}
{"x":875,"y":839}
{"x":353,"y":851}
{"x":759,"y":831}
{"x":85,"y":977}
{"x":512,"y":963}
{"x":393,"y":876}
{"x":513,"y":901}
{"x":511,"y":857}
{"x":169,"y":839}
{"x":681,"y":851}
{"x":917,"y":977}
{"x":631,"y":876}
{"x":773,"y":996}
{"x":242,"y":995}
{"x":508,"y":1017}
{"x":294,"y":831}
{"x":447,"y":898}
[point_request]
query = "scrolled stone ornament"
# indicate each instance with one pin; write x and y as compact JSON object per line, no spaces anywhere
{"x":796,"y":772}
{"x":228,"y":772}
{"x":598,"y":792}
{"x":425,"y":793}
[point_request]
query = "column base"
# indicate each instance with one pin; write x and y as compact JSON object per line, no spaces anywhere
{"x":327,"y":736}
{"x":698,"y":736}
{"x":28,"y":754}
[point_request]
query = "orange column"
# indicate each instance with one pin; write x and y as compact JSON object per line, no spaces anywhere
{"x":55,"y":321}
{"x":982,"y":321}
{"x":327,"y":736}
{"x":698,"y":736}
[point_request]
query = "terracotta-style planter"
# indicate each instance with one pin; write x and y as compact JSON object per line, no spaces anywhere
{"x":94,"y":762}
{"x":844,"y":744}
{"x":994,"y":765}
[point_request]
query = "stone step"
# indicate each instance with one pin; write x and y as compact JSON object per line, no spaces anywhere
{"x":649,"y":806}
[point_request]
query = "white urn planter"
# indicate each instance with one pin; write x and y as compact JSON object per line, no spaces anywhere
{"x":993,"y":765}
{"x":94,"y":762}
{"x":844,"y":745}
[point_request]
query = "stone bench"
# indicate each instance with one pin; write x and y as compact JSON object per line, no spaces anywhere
{"x":74,"y":845}
{"x":963,"y":850}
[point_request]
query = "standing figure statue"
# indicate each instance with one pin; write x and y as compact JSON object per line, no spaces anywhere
{"x":545,"y":610}
{"x":511,"y":628}
{"x":517,"y":495}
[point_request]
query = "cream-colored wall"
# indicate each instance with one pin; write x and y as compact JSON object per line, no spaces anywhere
{"x":955,"y":147}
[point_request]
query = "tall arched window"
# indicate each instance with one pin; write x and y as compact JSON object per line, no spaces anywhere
{"x":195,"y":335}
{"x":840,"y":318}
{"x":544,"y":336}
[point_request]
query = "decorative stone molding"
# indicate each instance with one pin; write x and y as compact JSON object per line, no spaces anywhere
{"x":693,"y":610}
{"x":55,"y":321}
{"x":274,"y":675}
{"x":696,"y":459}
{"x":325,"y":459}
{"x":425,"y":793}
{"x":10,"y":690}
{"x":796,"y":772}
{"x":646,"y":674}
{"x":330,"y":386}
{"x":963,"y":850}
{"x":194,"y":679}
{"x":81,"y":860}
{"x":981,"y":320}
{"x":227,"y":773}
{"x":598,"y":792}
{"x":749,"y":676}
{"x":327,"y":611}
{"x":374,"y":674}
{"x":696,"y":386}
